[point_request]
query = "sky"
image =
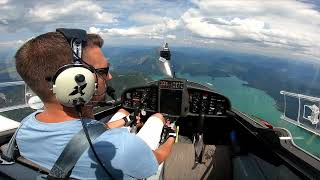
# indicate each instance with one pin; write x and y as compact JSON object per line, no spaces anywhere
{"x":284,"y":28}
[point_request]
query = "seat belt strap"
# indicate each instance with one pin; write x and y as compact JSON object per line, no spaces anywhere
{"x":74,"y":149}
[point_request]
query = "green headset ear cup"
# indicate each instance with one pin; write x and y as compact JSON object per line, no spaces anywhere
{"x":68,"y":91}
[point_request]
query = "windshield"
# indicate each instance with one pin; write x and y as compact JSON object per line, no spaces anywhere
{"x":249,"y":51}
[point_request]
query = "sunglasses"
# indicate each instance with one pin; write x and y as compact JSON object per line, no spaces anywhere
{"x":102,"y":71}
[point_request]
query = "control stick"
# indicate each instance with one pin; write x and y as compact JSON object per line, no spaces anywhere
{"x":198,"y":141}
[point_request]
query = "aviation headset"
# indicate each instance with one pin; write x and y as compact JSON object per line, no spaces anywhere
{"x":74,"y":84}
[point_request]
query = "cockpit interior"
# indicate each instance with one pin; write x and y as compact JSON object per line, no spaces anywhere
{"x":215,"y":141}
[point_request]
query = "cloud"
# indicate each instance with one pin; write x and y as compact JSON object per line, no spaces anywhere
{"x":12,"y":43}
{"x":155,"y":31}
{"x":280,"y":24}
{"x":3,"y":1}
{"x":171,"y":36}
{"x":4,"y":22}
{"x":94,"y":30}
{"x":75,"y":10}
{"x":37,"y":15}
{"x":145,"y":18}
{"x":195,"y":23}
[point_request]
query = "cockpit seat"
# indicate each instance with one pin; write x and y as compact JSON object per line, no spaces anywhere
{"x":181,"y":163}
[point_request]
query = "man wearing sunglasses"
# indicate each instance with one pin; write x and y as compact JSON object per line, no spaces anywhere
{"x":44,"y":134}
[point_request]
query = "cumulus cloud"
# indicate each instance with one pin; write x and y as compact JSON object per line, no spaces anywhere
{"x":155,"y":31}
{"x":94,"y":30}
{"x":37,"y":15}
{"x":145,"y":18}
{"x":280,"y":24}
{"x":76,"y":10}
{"x":12,"y":43}
{"x":195,"y":22}
{"x":3,"y":1}
{"x":171,"y":36}
{"x":4,"y":22}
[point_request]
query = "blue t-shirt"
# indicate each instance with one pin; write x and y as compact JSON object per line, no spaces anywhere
{"x":125,"y":155}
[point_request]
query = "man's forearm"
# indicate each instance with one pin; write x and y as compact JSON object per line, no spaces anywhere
{"x":163,"y":152}
{"x":116,"y":124}
{"x":120,"y":122}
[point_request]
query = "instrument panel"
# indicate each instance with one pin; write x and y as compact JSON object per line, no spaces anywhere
{"x":145,"y":97}
{"x":208,"y":103}
{"x":176,"y":97}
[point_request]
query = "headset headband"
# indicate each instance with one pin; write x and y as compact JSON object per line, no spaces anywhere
{"x":77,"y":39}
{"x":70,"y":34}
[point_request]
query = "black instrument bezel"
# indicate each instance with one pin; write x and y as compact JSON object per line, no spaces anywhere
{"x":206,"y":89}
{"x":184,"y":101}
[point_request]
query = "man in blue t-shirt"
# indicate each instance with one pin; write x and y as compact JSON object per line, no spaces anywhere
{"x":44,"y":134}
